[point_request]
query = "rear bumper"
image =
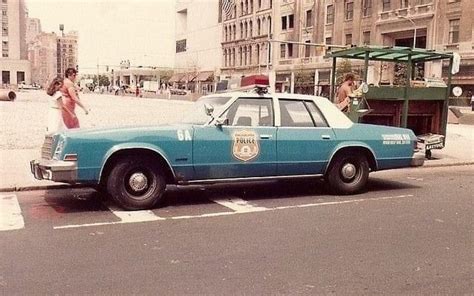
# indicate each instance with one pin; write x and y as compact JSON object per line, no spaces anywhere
{"x":54,"y":170}
{"x":418,"y":159}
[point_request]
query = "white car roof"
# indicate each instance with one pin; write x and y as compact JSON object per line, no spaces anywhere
{"x":334,"y":117}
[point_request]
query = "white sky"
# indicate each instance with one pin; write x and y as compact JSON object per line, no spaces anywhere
{"x":141,"y":31}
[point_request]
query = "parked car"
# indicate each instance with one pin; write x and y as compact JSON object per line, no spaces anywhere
{"x":237,"y":136}
{"x":177,"y":91}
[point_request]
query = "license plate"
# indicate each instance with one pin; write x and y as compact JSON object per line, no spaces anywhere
{"x":434,"y":146}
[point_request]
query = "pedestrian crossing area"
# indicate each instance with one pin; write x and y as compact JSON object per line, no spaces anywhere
{"x":61,"y":210}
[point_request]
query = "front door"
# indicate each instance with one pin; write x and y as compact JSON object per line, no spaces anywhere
{"x":243,"y":147}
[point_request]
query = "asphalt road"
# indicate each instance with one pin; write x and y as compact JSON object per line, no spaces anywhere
{"x":410,"y":233}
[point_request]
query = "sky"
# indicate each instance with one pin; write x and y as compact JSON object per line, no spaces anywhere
{"x":110,"y":31}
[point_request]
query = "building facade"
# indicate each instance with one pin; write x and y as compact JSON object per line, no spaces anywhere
{"x":443,"y":25}
{"x":245,"y":36}
{"x":42,"y":53}
{"x":14,"y":65}
{"x":33,"y":29}
{"x":67,"y":52}
{"x":197,"y":57}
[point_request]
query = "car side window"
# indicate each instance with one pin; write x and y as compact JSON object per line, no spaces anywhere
{"x":318,"y":117}
{"x":250,"y":112}
{"x":295,"y":114}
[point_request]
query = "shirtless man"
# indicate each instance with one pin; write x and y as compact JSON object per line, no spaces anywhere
{"x":345,"y":89}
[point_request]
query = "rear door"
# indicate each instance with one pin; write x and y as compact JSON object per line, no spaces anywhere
{"x":304,"y":139}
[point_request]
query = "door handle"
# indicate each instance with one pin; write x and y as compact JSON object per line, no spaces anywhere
{"x":325,"y":137}
{"x":265,"y":136}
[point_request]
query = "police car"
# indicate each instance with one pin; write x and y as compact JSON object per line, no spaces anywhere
{"x":228,"y":137}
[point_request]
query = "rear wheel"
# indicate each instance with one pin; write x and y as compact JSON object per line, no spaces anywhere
{"x":136,"y":183}
{"x":348,"y":174}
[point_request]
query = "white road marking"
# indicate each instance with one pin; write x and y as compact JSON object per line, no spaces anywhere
{"x":133,"y":216}
{"x":10,"y":213}
{"x":238,"y":205}
{"x":240,"y":210}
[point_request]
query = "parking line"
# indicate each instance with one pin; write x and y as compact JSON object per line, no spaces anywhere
{"x":10,"y":213}
{"x":238,"y":205}
{"x":133,"y":216}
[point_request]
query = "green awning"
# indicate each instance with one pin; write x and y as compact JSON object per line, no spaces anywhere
{"x":390,"y":54}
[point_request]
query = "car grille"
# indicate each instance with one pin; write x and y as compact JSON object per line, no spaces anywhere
{"x":46,"y":149}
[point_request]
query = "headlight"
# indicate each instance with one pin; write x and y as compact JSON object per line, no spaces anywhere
{"x":59,"y":149}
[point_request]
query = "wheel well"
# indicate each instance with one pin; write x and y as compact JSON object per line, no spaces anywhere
{"x":145,"y":153}
{"x":353,"y":150}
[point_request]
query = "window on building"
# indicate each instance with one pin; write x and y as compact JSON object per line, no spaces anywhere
{"x":291,"y":20}
{"x":251,"y":6}
{"x":240,"y":57}
{"x":366,"y":8}
{"x":328,"y":40}
{"x":181,"y":45}
{"x":454,"y":31}
{"x":283,"y":51}
{"x":366,"y":36}
{"x":259,"y":4}
{"x":348,"y":10}
{"x":403,"y":3}
{"x":251,"y":29}
{"x":20,"y":77}
{"x":242,"y":7}
{"x":6,"y":77}
{"x":4,"y":12}
{"x":259,"y":28}
{"x":330,"y":14}
{"x":4,"y":30}
{"x":423,"y":2}
{"x":348,"y":39}
{"x":250,"y":54}
{"x":290,"y":50}
{"x":386,"y":5}
{"x":284,"y":25}
{"x":309,"y":18}
{"x":307,"y":49}
{"x":257,"y":54}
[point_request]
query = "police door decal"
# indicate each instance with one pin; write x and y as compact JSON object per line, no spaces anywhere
{"x":245,"y":145}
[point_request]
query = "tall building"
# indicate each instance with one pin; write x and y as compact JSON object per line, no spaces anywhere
{"x":42,"y":53}
{"x":444,"y":25}
{"x":197,"y":57}
{"x":14,"y":65}
{"x":33,"y":29}
{"x":245,"y":34}
{"x":67,"y":52}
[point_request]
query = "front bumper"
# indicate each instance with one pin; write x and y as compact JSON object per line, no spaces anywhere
{"x":54,"y":170}
{"x":417,"y":159}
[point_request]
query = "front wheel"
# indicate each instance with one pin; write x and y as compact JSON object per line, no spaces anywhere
{"x":348,"y":174}
{"x":136,"y":183}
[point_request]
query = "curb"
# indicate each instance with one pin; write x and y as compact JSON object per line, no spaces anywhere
{"x":73,"y":186}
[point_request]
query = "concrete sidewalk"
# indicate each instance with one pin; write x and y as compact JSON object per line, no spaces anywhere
{"x":16,"y":176}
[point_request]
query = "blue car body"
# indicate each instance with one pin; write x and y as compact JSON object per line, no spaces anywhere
{"x":266,"y":136}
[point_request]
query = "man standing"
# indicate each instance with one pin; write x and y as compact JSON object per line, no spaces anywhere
{"x":342,"y":97}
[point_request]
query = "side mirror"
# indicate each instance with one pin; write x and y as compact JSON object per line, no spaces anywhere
{"x":209,"y":109}
{"x":222,"y":121}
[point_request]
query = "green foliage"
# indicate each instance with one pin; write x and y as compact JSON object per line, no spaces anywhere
{"x":103,"y":80}
{"x":342,"y":68}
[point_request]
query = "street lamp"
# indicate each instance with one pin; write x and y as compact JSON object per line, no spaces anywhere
{"x":414,"y":28}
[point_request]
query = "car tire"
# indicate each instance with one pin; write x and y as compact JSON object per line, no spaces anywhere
{"x":136,"y":183}
{"x":348,"y":174}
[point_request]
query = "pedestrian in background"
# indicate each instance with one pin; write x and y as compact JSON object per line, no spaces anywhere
{"x":70,"y":99}
{"x":56,"y":107}
{"x":346,"y":88}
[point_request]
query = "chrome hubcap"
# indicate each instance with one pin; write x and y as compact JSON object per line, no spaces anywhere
{"x":348,"y":171}
{"x":138,"y":182}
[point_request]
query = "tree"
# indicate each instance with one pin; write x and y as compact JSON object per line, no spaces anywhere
{"x":103,"y":80}
{"x":342,"y":68}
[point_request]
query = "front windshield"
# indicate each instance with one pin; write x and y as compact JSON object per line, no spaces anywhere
{"x":197,"y":114}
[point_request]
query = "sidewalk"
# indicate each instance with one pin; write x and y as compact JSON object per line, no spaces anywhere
{"x":16,"y":176}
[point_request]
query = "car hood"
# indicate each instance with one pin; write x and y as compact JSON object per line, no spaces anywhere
{"x":117,"y":133}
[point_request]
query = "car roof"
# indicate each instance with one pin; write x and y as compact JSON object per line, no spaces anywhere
{"x":266,"y":96}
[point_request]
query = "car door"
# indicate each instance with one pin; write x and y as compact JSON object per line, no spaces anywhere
{"x":304,"y":139}
{"x":244,"y":146}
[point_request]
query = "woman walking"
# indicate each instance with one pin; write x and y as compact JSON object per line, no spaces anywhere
{"x":56,"y":107}
{"x":70,"y":99}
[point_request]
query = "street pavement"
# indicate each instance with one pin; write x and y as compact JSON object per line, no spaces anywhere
{"x":409,"y":234}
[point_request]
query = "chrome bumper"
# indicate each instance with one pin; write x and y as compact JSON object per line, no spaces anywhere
{"x":54,"y":170}
{"x":417,"y":159}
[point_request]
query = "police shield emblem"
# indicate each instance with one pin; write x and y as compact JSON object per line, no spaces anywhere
{"x":245,"y":145}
